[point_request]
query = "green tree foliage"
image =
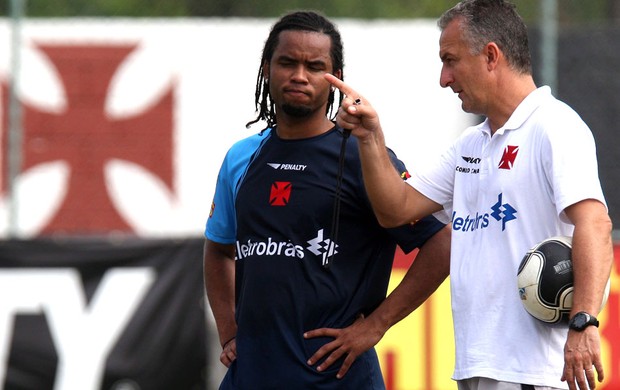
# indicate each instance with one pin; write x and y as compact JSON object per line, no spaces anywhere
{"x":342,"y":8}
{"x":570,"y":11}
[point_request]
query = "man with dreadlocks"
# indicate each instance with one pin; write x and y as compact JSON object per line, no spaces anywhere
{"x":292,"y":243}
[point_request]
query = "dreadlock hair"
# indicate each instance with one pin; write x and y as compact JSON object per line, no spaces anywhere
{"x":297,"y":21}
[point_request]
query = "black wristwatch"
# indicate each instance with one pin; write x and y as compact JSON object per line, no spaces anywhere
{"x":582,"y":320}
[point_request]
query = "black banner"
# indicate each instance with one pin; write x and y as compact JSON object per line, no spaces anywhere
{"x":81,"y":314}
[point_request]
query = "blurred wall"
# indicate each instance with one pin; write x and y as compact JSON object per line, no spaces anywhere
{"x":588,"y":80}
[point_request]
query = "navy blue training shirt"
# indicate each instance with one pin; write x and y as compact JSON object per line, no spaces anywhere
{"x":274,"y":200}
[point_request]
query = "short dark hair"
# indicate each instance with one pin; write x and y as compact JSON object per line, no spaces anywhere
{"x":486,"y":21}
{"x":299,"y":21}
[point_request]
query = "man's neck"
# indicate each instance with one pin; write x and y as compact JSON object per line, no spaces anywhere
{"x":509,"y":98}
{"x":296,"y":128}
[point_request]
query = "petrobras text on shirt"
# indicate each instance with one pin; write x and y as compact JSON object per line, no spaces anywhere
{"x":268,"y":248}
{"x":470,"y":223}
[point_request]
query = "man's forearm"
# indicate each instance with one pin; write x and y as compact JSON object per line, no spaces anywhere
{"x":428,"y":271}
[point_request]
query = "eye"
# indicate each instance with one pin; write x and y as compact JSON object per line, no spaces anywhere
{"x":447,"y":60}
{"x":317,"y":66}
{"x":286,"y":62}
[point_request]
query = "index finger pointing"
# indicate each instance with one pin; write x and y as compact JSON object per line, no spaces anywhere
{"x":344,"y":88}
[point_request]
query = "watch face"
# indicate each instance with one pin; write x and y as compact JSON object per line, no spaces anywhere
{"x":581,"y":320}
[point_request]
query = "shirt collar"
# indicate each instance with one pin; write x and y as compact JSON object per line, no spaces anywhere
{"x":524,"y":110}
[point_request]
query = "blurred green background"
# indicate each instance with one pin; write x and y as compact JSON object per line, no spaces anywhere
{"x":570,"y":11}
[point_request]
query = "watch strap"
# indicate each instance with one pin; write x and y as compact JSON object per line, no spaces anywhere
{"x":582,"y":320}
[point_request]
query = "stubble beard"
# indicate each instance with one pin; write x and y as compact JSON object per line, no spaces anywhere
{"x":296,"y":111}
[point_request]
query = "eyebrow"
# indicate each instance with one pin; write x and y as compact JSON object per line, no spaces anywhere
{"x":314,"y":62}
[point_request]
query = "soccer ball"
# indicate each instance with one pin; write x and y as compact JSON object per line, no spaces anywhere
{"x":545,"y":280}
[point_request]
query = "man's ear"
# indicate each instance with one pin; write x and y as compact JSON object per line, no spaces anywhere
{"x":492,"y":53}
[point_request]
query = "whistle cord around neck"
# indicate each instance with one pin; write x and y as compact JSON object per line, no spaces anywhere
{"x":331,"y":249}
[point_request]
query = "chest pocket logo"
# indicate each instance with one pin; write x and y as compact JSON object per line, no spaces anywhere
{"x":280,"y":193}
{"x":509,"y":157}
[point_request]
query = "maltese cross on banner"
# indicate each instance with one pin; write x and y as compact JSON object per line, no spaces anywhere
{"x":86,"y":137}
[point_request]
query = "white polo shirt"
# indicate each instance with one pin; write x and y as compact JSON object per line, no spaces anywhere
{"x":504,"y":194}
